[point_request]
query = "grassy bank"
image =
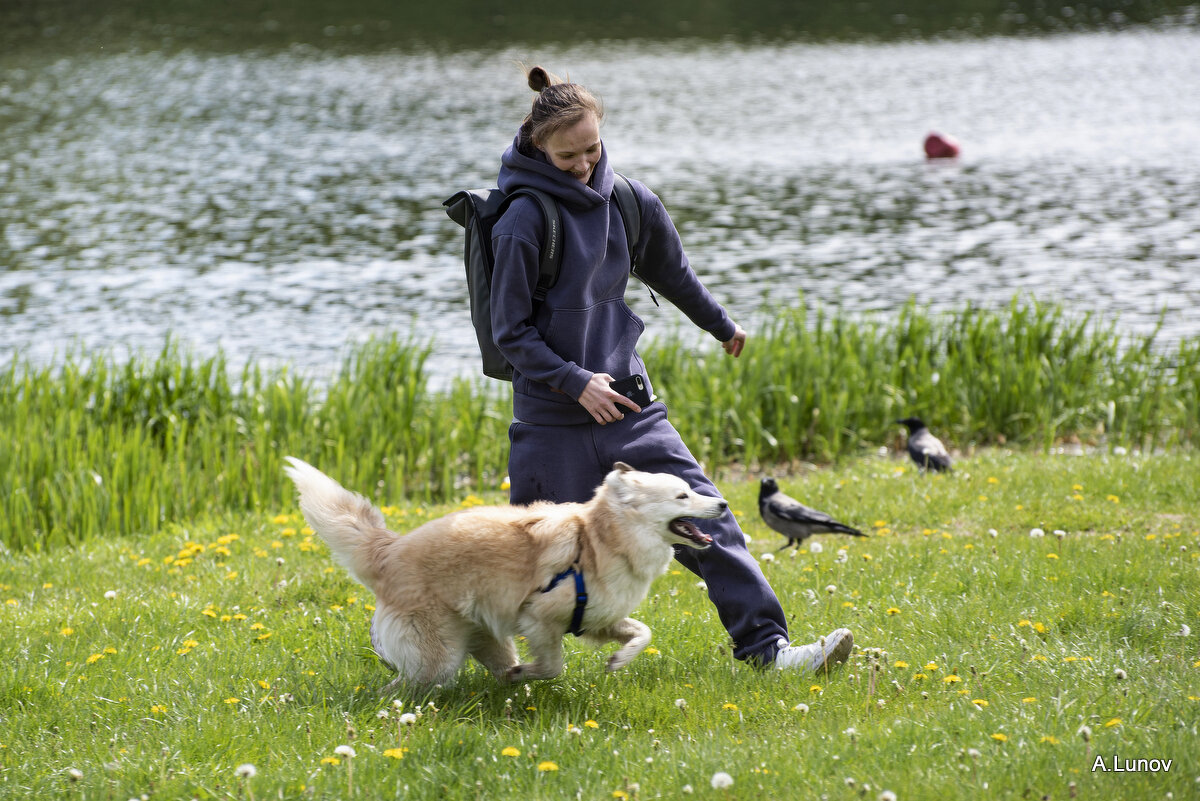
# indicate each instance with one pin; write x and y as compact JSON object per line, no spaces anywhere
{"x":158,"y":664}
{"x":100,"y":447}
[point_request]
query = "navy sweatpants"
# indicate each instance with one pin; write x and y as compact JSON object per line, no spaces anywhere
{"x":567,"y":463}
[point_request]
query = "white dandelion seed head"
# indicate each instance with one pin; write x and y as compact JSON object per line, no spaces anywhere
{"x":247,"y":771}
{"x":851,"y":732}
{"x":345,"y":751}
{"x":407,"y":719}
{"x":1184,"y":631}
{"x":398,"y":704}
{"x":680,"y":703}
{"x":1086,"y":733}
{"x":574,"y":730}
{"x":816,"y":547}
{"x":1120,"y":674}
{"x":887,"y":795}
{"x":993,"y":533}
{"x":842,"y":556}
{"x":1059,"y":533}
{"x":721,"y":780}
{"x":768,"y":557}
{"x":687,"y":789}
{"x":634,"y":788}
{"x":382,"y":714}
{"x":110,"y":595}
{"x":1036,"y":532}
{"x":850,"y":781}
{"x":831,"y":589}
{"x":279,"y":560}
{"x":74,"y":774}
{"x":973,"y":753}
{"x":701,"y":585}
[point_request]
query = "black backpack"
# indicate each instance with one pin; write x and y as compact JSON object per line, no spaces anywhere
{"x":477,"y":210}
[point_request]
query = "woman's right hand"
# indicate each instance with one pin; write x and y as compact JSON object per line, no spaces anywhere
{"x":601,"y":402}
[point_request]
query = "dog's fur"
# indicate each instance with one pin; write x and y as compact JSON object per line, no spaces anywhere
{"x":468,"y":582}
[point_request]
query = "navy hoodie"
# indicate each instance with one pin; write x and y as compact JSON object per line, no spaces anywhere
{"x":583,"y":326}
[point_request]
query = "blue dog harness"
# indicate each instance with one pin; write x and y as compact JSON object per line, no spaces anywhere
{"x":581,"y":597}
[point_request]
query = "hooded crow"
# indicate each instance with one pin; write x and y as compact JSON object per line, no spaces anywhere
{"x":924,"y":448}
{"x":793,"y":519}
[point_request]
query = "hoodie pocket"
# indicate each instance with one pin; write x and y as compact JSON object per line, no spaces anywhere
{"x":601,"y":339}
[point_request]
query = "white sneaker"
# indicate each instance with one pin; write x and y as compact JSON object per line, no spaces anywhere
{"x":828,"y":651}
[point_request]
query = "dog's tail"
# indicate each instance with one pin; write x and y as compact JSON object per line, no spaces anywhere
{"x":352,"y":527}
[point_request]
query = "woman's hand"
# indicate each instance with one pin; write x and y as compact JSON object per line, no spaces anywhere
{"x":601,"y":402}
{"x":734,"y":346}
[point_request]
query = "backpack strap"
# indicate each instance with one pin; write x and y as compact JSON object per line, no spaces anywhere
{"x":631,"y":216}
{"x":551,"y":255}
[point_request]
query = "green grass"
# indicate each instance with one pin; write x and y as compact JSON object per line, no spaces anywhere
{"x":231,"y":639}
{"x":96,"y":447}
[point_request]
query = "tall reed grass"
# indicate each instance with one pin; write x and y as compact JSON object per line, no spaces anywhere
{"x":96,"y":446}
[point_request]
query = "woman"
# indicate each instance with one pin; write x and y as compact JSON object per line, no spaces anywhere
{"x":569,"y":426}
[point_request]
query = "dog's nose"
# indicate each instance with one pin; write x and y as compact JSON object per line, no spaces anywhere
{"x":722,"y":504}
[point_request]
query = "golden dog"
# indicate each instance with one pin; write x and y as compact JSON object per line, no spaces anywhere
{"x":466,"y":583}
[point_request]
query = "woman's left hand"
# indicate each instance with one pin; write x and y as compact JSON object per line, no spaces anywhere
{"x":734,"y":346}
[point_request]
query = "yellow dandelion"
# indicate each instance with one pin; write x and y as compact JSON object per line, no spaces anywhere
{"x":510,"y":752}
{"x":547,"y":766}
{"x":266,"y":635}
{"x":1029,"y":699}
{"x":620,"y":794}
{"x":591,"y":724}
{"x":931,"y":666}
{"x":1000,"y":738}
{"x":1039,"y":627}
{"x":919,"y":676}
{"x":1051,"y":556}
{"x":951,"y":679}
{"x":816,"y":688}
{"x":651,"y":650}
{"x":891,"y":610}
{"x":330,"y":761}
{"x":66,"y":631}
{"x":231,"y":700}
{"x":208,"y":612}
{"x":280,"y":519}
{"x":395,"y":753}
{"x":900,"y":663}
{"x":1112,"y":498}
{"x":257,"y":626}
{"x":979,"y":702}
{"x":1049,"y":740}
{"x":1113,"y":722}
{"x":158,"y":709}
{"x":993,"y":480}
{"x":190,"y":643}
{"x":263,"y":684}
{"x":730,"y":707}
{"x":94,"y":658}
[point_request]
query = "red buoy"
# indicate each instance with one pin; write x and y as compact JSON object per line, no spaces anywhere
{"x":940,"y":146}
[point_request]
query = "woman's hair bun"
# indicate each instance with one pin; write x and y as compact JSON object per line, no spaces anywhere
{"x":539,"y":79}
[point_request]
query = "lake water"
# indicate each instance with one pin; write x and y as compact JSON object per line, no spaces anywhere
{"x":280,"y":205}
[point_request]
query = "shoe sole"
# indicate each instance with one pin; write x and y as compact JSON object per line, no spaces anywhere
{"x":838,"y":646}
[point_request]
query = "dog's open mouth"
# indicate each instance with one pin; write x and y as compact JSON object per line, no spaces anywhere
{"x":686,"y":531}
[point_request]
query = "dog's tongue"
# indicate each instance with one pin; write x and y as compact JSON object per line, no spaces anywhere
{"x":689,"y":532}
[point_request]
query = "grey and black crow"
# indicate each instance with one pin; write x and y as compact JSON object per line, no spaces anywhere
{"x":924,"y":448}
{"x":793,"y":519}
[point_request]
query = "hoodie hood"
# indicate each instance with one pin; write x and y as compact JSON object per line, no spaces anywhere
{"x":517,"y":170}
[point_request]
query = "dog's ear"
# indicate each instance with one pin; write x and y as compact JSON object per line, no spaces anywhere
{"x":621,"y":489}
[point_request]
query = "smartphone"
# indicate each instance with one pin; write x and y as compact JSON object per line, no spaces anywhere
{"x":634,"y":388}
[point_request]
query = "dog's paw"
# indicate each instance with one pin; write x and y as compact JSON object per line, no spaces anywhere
{"x":619,"y":660}
{"x":514,"y":674}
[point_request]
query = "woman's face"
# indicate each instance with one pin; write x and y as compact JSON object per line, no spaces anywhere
{"x":575,"y":149}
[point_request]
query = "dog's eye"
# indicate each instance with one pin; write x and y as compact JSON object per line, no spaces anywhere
{"x":682,"y":496}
